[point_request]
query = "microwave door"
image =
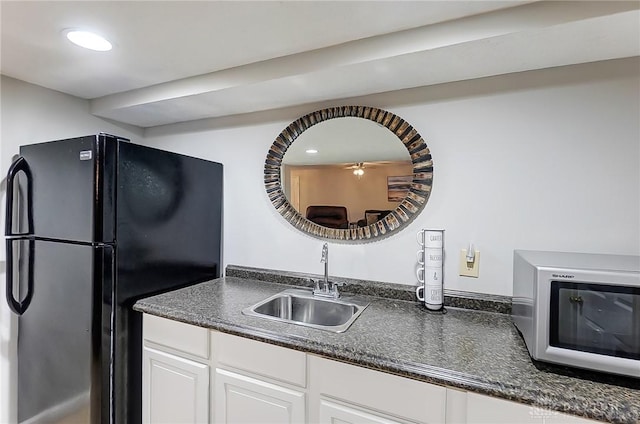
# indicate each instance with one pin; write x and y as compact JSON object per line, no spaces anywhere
{"x":596,"y":318}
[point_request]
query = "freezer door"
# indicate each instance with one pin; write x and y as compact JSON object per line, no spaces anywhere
{"x":59,"y":332}
{"x":63,"y":177}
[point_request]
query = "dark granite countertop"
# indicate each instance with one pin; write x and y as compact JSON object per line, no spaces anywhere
{"x":472,"y":350}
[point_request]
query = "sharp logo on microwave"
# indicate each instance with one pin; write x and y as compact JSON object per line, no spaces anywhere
{"x":563,"y":276}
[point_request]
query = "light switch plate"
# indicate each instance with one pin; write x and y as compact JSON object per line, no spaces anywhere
{"x":464,"y":268}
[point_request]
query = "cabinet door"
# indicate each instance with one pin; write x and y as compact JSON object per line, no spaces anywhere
{"x":174,"y":389}
{"x":241,"y":399}
{"x":331,"y":413}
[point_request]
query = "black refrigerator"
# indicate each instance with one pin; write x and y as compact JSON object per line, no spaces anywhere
{"x":93,"y":224}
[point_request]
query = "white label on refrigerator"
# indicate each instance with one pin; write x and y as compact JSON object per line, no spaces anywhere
{"x":86,"y":155}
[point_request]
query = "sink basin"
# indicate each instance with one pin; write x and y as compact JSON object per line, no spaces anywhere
{"x":301,"y":307}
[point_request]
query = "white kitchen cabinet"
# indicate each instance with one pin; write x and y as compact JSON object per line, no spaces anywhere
{"x":175,"y":390}
{"x":473,"y":408}
{"x":175,"y":372}
{"x":257,"y":382}
{"x":241,"y":399}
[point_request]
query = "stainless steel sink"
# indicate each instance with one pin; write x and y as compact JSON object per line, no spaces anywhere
{"x":297,"y":306}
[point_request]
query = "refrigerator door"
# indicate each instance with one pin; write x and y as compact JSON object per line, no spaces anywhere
{"x":59,"y":331}
{"x":168,"y":221}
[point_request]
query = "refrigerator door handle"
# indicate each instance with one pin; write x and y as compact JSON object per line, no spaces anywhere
{"x":19,"y":165}
{"x":17,"y":306}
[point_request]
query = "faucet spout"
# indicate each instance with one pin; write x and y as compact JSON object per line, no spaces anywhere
{"x":330,"y":289}
{"x":325,"y":259}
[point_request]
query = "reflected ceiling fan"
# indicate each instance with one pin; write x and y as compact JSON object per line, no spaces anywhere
{"x":359,"y":167}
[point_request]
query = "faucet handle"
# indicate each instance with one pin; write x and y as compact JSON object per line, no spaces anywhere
{"x":334,"y":288}
{"x":315,"y":283}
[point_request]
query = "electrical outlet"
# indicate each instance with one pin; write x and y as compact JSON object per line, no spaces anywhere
{"x":469,"y":269}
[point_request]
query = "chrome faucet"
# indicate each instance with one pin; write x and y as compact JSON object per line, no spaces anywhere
{"x":330,"y":289}
{"x":325,"y":259}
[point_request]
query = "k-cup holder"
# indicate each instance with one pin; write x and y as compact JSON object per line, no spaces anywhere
{"x":429,"y":272}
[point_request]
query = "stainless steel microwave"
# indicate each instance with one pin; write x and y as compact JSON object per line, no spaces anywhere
{"x":579,"y":309}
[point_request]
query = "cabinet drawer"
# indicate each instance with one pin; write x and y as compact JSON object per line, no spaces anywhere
{"x":260,"y":358}
{"x":376,"y":391}
{"x":482,"y":409}
{"x":177,"y":336}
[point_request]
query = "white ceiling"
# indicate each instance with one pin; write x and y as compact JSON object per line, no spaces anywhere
{"x":177,"y":61}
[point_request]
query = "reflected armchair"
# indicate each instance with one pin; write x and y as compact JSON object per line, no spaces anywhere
{"x":328,"y":216}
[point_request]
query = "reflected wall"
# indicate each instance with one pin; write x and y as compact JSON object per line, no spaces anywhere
{"x":337,"y":185}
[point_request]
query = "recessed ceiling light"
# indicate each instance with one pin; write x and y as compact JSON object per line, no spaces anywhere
{"x":88,"y":40}
{"x":311,"y":151}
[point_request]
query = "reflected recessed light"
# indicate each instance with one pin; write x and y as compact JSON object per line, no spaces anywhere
{"x":88,"y":40}
{"x":311,"y":151}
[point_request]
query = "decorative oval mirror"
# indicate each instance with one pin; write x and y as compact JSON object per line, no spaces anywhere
{"x":354,"y":173}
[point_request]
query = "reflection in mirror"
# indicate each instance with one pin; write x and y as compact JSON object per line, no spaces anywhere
{"x":354,"y":173}
{"x":346,"y":161}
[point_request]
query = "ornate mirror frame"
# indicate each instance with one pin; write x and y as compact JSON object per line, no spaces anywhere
{"x":409,"y":208}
